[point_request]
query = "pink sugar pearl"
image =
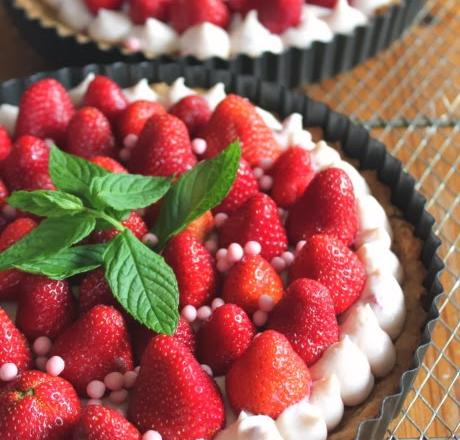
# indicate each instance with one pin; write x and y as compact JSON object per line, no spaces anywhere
{"x":9,"y":212}
{"x":300,"y":245}
{"x":55,"y":366}
{"x":150,"y":239}
{"x":204,"y":313}
{"x":40,"y":362}
{"x":189,"y":313}
{"x":266,"y":164}
{"x":235,"y":253}
{"x":266,"y":183}
{"x":223,"y":265}
{"x":252,"y":248}
{"x":94,"y":402}
{"x":130,"y":141}
{"x":125,"y":154}
{"x":278,"y":263}
{"x":216,"y":303}
{"x":42,"y":345}
{"x":266,"y":303}
{"x":137,"y":369}
{"x":133,"y":44}
{"x":114,"y":381}
{"x":199,"y":146}
{"x":221,"y":254}
{"x":152,"y":435}
{"x":207,"y":369}
{"x":118,"y":396}
{"x":258,"y":172}
{"x":129,"y":379}
{"x":95,"y":389}
{"x":259,"y":318}
{"x":288,"y":257}
{"x":211,"y":246}
{"x":8,"y":371}
{"x":220,"y":219}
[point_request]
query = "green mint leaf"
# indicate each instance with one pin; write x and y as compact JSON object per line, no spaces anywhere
{"x":66,"y":263}
{"x":46,"y":203}
{"x":142,"y":282}
{"x":200,"y":189}
{"x":128,"y":191}
{"x":50,"y":236}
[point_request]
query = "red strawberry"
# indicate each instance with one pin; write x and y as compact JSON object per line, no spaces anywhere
{"x":163,"y":148}
{"x":268,"y":377}
{"x":328,"y":206}
{"x":10,"y":279}
{"x":140,"y":10}
{"x":26,"y":168}
{"x":186,"y":13}
{"x":94,"y":290}
{"x":173,"y":395}
{"x":256,"y":220}
{"x":244,"y":187}
{"x":38,"y":406}
{"x":4,"y":193}
{"x":134,"y":117}
{"x":45,"y":110}
{"x":194,"y":111}
{"x":202,"y":226}
{"x":292,"y":172}
{"x":236,"y":118}
{"x":278,"y":15}
{"x":194,"y":268}
{"x":327,"y":260}
{"x":95,"y":5}
{"x":92,"y":347}
{"x":5,"y":143}
{"x":89,"y":134}
{"x":238,"y":5}
{"x":224,"y":338}
{"x":100,"y":423}
{"x":248,"y":280}
{"x":306,"y":317}
{"x":323,"y":3}
{"x":13,"y":345}
{"x":109,"y":164}
{"x":134,"y":222}
{"x":107,"y":96}
{"x":46,"y":307}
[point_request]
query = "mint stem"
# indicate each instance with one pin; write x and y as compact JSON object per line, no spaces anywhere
{"x":103,"y":216}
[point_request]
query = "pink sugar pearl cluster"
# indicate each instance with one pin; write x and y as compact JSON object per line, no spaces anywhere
{"x":260,"y":317}
{"x":117,"y":383}
{"x":8,"y":372}
{"x":54,"y":365}
{"x":265,"y":180}
{"x":226,"y":258}
{"x":203,"y":313}
{"x":129,"y":142}
{"x":282,"y":262}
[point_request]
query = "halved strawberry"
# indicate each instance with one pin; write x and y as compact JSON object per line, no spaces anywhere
{"x":278,"y":15}
{"x":109,"y":164}
{"x":5,"y":143}
{"x":141,"y":10}
{"x":194,"y":112}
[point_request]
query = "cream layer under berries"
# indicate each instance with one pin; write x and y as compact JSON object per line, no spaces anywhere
{"x":214,"y":28}
{"x":288,"y":287}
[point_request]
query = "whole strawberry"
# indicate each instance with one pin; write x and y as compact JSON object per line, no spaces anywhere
{"x":4,"y":193}
{"x":89,"y":134}
{"x":248,"y":280}
{"x":306,"y":316}
{"x":278,"y":15}
{"x":235,"y":118}
{"x":224,"y":338}
{"x":173,"y":395}
{"x":163,"y":148}
{"x":194,"y":268}
{"x":141,"y":10}
{"x":5,"y":143}
{"x":95,"y":290}
{"x":109,"y":164}
{"x":134,"y":223}
{"x":202,"y":226}
{"x":244,"y":187}
{"x":26,"y":168}
{"x":194,"y":111}
{"x":328,"y":206}
{"x":95,"y":5}
{"x":238,"y":6}
{"x":101,"y":423}
{"x":323,"y":3}
{"x":14,"y":347}
{"x":38,"y":406}
{"x":292,"y":173}
{"x":268,"y":377}
{"x":187,"y":13}
{"x":46,"y":307}
{"x":94,"y":346}
{"x":45,"y":110}
{"x":327,"y":260}
{"x":258,"y":220}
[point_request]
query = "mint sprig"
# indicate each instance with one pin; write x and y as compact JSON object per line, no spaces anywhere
{"x":89,"y":198}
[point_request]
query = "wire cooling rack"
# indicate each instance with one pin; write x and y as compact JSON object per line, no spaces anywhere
{"x":409,"y":97}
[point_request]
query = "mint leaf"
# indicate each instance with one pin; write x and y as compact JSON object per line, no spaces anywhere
{"x":142,"y":282}
{"x":66,"y":263}
{"x":128,"y":191}
{"x":200,"y":189}
{"x":50,"y":236}
{"x":46,"y":203}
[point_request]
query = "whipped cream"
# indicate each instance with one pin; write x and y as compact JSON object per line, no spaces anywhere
{"x":75,"y":14}
{"x":378,"y":258}
{"x":8,"y":116}
{"x":379,"y":235}
{"x":371,"y":214}
{"x":205,"y":40}
{"x":215,"y":95}
{"x":177,"y":91}
{"x":323,"y":156}
{"x":269,"y":119}
{"x":110,"y":26}
{"x":368,"y":7}
{"x":156,"y":38}
{"x":293,"y":133}
{"x":140,"y":91}
{"x":344,"y":18}
{"x":78,"y":92}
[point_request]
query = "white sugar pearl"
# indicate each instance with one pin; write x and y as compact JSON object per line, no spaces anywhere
{"x":189,"y":313}
{"x":129,"y":379}
{"x":211,"y":246}
{"x":221,"y":254}
{"x":216,"y":303}
{"x":9,"y":212}
{"x":266,"y":303}
{"x":288,"y":257}
{"x":40,"y":362}
{"x":207,"y":369}
{"x":204,"y":313}
{"x":42,"y":345}
{"x":278,"y":263}
{"x":130,"y":141}
{"x":94,"y":402}
{"x":266,"y":182}
{"x":55,"y":366}
{"x":266,"y":164}
{"x":252,"y":248}
{"x":150,"y":239}
{"x":152,"y":435}
{"x":199,"y":146}
{"x":259,"y":318}
{"x":220,"y":219}
{"x":235,"y":253}
{"x":125,"y":154}
{"x":300,"y":245}
{"x":8,"y":371}
{"x":258,"y":172}
{"x":118,"y":396}
{"x":114,"y":381}
{"x":95,"y":389}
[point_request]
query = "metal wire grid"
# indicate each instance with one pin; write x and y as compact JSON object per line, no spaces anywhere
{"x":409,"y":97}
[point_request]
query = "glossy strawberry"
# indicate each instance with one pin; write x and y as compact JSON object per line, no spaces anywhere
{"x":163,"y":148}
{"x":93,"y":346}
{"x":325,"y":259}
{"x":101,"y":423}
{"x":194,"y":268}
{"x":248,"y":280}
{"x":306,"y":317}
{"x":186,"y":13}
{"x":244,"y":187}
{"x":238,"y":5}
{"x":278,"y":15}
{"x":13,"y":345}
{"x":109,"y":164}
{"x":292,"y":173}
{"x":45,"y":110}
{"x":4,"y":193}
{"x":323,"y":3}
{"x":258,"y":220}
{"x":134,"y":222}
{"x":268,"y":377}
{"x":46,"y":307}
{"x":26,"y":168}
{"x":236,"y":118}
{"x":202,"y":226}
{"x":38,"y":406}
{"x":173,"y":395}
{"x":5,"y":143}
{"x":224,"y":338}
{"x":141,"y":10}
{"x":95,"y":5}
{"x":328,"y":206}
{"x":95,"y":290}
{"x":194,"y":111}
{"x":89,"y":134}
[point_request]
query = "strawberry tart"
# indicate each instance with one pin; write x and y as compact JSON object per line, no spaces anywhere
{"x":180,"y":264}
